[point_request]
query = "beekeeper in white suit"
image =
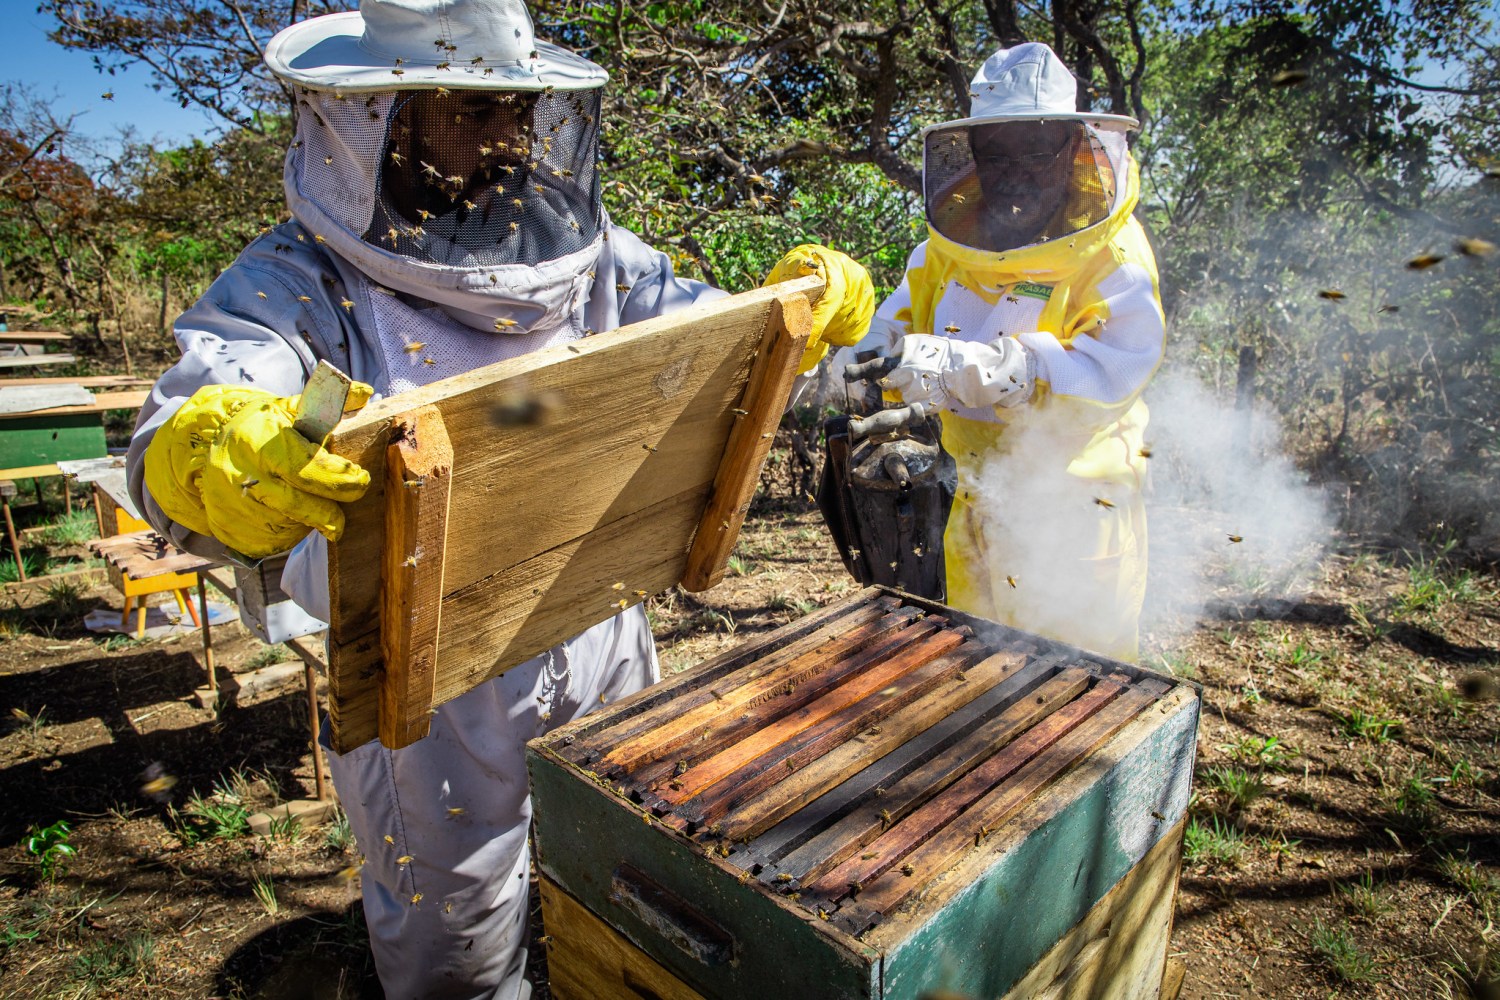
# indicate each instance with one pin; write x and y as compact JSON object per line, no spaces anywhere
{"x":446,"y":215}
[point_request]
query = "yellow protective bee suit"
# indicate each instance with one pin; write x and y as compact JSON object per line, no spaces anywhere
{"x":1048,"y":529}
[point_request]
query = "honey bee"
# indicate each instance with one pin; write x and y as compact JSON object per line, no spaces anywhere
{"x":428,"y":361}
{"x":261,"y":294}
{"x":1331,"y":294}
{"x":348,"y":305}
{"x":1144,"y":452}
{"x":1236,"y":539}
{"x":441,"y":91}
{"x":1472,"y":246}
{"x":1422,"y":262}
{"x":405,"y":859}
{"x":1288,"y":77}
{"x":390,"y":840}
{"x":952,"y":328}
{"x":1104,"y":502}
{"x":1012,"y":581}
{"x":156,"y":786}
{"x":504,"y":323}
{"x":416,"y":898}
{"x":454,"y":811}
{"x":414,"y":347}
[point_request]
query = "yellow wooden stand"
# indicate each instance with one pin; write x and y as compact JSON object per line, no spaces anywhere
{"x":138,"y":568}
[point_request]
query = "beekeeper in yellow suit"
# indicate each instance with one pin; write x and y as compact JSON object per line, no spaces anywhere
{"x":1030,"y":322}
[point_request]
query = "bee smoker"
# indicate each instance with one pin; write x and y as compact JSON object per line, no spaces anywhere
{"x":885,"y":491}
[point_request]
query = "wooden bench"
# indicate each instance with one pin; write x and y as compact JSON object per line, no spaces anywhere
{"x":25,"y":360}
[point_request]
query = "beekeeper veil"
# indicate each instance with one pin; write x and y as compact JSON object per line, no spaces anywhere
{"x":442,"y":144}
{"x":1025,"y":167}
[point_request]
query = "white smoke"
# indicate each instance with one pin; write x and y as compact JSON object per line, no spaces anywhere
{"x":1219,"y":474}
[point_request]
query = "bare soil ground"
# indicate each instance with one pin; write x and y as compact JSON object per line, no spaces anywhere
{"x":1344,"y":840}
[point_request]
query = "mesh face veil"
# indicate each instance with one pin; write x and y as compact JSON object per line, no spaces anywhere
{"x":1005,"y":185}
{"x":463,"y":178}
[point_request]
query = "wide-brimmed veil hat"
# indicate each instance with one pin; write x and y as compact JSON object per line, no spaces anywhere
{"x":425,"y":44}
{"x":1029,"y":83}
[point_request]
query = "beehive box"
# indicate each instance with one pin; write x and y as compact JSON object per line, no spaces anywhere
{"x":884,"y":799}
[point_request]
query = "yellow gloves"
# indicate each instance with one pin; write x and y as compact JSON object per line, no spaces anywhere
{"x":842,"y":316}
{"x":228,"y":464}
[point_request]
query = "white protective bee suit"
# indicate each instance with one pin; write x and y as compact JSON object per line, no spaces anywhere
{"x":400,"y":279}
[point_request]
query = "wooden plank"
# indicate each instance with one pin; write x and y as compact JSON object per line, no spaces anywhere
{"x":753,"y":685}
{"x":103,"y":402}
{"x":33,"y":337}
{"x":951,"y":806}
{"x":749,"y":443}
{"x":26,"y":360}
{"x":588,"y":739}
{"x":818,"y":779}
{"x":1117,"y":951}
{"x":87,"y":381}
{"x":418,"y":471}
{"x":933,"y":855}
{"x":626,"y":422}
{"x":860,"y":826}
{"x":588,"y":959}
{"x":788,"y":701}
{"x":519,"y":612}
{"x":715,"y":785}
{"x":31,"y":472}
{"x":35,"y":398}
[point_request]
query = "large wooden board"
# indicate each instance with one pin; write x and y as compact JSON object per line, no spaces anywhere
{"x":558,"y":522}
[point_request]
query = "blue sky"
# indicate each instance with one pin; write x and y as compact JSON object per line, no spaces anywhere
{"x":69,"y":81}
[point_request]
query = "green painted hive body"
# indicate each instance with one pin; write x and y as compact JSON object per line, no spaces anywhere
{"x":728,"y":888}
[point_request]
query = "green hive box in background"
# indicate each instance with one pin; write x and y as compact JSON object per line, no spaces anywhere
{"x":39,"y":440}
{"x":1068,"y":896}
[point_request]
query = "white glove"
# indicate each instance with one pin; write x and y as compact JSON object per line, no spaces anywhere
{"x":934,"y":370}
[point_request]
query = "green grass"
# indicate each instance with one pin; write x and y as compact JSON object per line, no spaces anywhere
{"x":70,"y":529}
{"x":35,"y":561}
{"x":1362,"y":898}
{"x":1213,"y":843}
{"x":1372,"y":726}
{"x":1238,"y":788}
{"x":1482,"y":888}
{"x":1302,"y":657}
{"x":219,"y":816}
{"x":103,"y":963}
{"x":1266,"y":752}
{"x":1412,"y":806}
{"x":1174,"y":663}
{"x":337,"y":834}
{"x":1337,"y":952}
{"x":1430,"y":588}
{"x":278,"y":653}
{"x":740,"y":566}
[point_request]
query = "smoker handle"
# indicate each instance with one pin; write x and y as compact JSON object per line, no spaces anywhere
{"x":671,"y":917}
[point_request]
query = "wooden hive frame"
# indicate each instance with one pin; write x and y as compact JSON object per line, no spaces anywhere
{"x":513,"y":506}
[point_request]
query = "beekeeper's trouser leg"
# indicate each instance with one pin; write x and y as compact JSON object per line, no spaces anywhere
{"x":443,"y":823}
